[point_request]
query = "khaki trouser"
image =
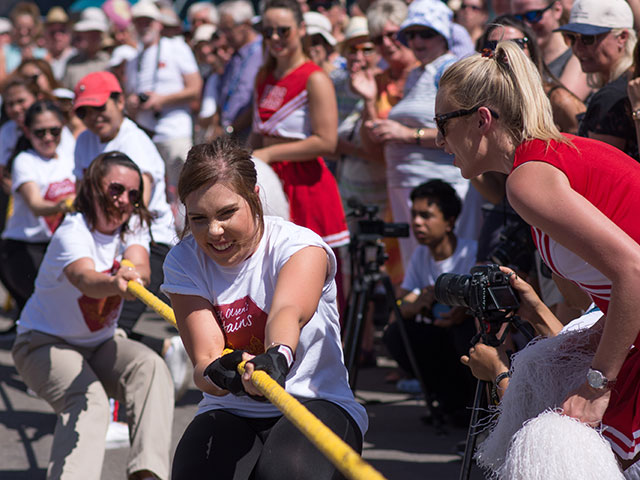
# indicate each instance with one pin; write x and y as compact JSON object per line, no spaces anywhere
{"x":78,"y":381}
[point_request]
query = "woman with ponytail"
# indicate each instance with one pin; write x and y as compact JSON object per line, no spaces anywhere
{"x":580,"y":196}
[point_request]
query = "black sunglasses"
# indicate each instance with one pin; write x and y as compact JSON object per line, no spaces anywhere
{"x":423,"y":33}
{"x":115,"y":189}
{"x":82,"y":112}
{"x":442,"y":119}
{"x":533,"y":16}
{"x":521,"y":42}
{"x":586,"y":40}
{"x":41,"y":132}
{"x":282,"y":32}
{"x":377,"y":40}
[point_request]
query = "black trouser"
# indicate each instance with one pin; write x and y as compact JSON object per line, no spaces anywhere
{"x":218,"y":444}
{"x":132,"y":310}
{"x":437,"y":351}
{"x":19,"y":264}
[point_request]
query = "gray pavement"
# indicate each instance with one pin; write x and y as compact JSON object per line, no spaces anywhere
{"x":398,"y":444}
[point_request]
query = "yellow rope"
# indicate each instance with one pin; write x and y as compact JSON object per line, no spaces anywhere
{"x":347,"y":460}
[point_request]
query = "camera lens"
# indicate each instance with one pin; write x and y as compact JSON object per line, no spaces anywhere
{"x":452,"y":289}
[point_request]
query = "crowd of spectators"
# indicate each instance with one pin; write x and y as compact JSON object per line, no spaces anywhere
{"x":337,"y":102}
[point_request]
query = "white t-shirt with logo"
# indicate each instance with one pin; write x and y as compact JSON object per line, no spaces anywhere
{"x":137,"y":145}
{"x":163,"y":73}
{"x":54,"y":177}
{"x":56,"y":306}
{"x":242,"y":296}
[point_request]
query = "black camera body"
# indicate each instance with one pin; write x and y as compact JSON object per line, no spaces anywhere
{"x":369,"y":225}
{"x":486,"y":291}
{"x":143,"y":97}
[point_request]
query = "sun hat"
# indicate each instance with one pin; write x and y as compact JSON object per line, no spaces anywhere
{"x":93,"y":90}
{"x":433,"y":14}
{"x":593,"y":17}
{"x":357,"y":27}
{"x":317,"y":24}
{"x":203,"y":33}
{"x":146,"y":9}
{"x":56,"y":15}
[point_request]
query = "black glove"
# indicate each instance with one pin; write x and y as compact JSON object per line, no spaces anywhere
{"x":275,"y":363}
{"x":224,"y":372}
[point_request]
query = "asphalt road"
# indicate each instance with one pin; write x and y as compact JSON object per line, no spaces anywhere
{"x":398,"y":444}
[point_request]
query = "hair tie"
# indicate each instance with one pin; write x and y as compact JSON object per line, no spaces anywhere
{"x":487,"y":53}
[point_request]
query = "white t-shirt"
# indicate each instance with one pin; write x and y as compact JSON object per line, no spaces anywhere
{"x":163,"y":73}
{"x":242,"y":296}
{"x":424,"y":270}
{"x":137,"y":145}
{"x":56,"y":306}
{"x":54,"y":177}
{"x":209,"y":105}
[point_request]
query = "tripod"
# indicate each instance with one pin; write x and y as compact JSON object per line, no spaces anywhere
{"x":489,"y":338}
{"x":367,"y":257}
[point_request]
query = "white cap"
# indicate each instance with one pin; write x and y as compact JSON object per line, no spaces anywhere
{"x":122,"y":53}
{"x":63,"y":93}
{"x":5,"y":25}
{"x":593,"y":17}
{"x":146,"y":8}
{"x":203,"y":33}
{"x":91,"y":26}
{"x":317,"y":23}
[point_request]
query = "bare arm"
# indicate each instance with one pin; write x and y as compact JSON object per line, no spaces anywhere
{"x":323,"y":111}
{"x":38,"y":205}
{"x":579,"y":226}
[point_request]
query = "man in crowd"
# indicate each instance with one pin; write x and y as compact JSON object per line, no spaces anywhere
{"x":57,"y":34}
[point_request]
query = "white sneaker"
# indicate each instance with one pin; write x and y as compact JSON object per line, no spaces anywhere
{"x":179,"y":365}
{"x":117,"y":435}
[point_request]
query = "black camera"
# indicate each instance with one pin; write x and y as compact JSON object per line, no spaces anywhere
{"x":485,"y":291}
{"x":143,"y":97}
{"x":372,"y":226}
{"x":515,"y":247}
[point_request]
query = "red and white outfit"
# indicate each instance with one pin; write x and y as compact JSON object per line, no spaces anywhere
{"x":282,"y":110}
{"x":610,"y":180}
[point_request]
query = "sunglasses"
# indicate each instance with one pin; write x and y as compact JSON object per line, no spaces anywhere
{"x":41,"y":132}
{"x":442,"y":119}
{"x":533,"y":16}
{"x":586,"y":40}
{"x":282,"y":32}
{"x":423,"y":33}
{"x":115,"y":190}
{"x":393,"y":36}
{"x":82,"y":112}
{"x":366,"y":51}
{"x":521,"y":42}
{"x":464,"y":6}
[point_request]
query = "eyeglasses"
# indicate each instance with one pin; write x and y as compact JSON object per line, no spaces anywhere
{"x":366,"y":50}
{"x":393,"y":36}
{"x":586,"y":40}
{"x":521,"y":42}
{"x":472,"y":7}
{"x":442,"y":119}
{"x":41,"y":132}
{"x":423,"y":33}
{"x":115,"y":190}
{"x":283,"y":32}
{"x":82,"y":112}
{"x":533,"y":16}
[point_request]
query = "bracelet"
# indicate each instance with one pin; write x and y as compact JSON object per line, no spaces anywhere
{"x":418,"y":134}
{"x":494,"y":387}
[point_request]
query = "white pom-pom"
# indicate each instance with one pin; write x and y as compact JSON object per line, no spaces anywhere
{"x":556,"y":447}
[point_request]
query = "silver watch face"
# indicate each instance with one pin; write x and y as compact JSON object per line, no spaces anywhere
{"x":596,"y":379}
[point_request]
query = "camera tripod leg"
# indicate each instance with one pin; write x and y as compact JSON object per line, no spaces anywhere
{"x":355,"y":324}
{"x":465,"y":470}
{"x":433,"y":406}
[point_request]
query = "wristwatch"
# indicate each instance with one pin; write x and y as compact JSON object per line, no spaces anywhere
{"x":597,"y":380}
{"x":418,"y":134}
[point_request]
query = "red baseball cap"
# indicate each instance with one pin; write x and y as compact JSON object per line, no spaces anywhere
{"x":94,"y":89}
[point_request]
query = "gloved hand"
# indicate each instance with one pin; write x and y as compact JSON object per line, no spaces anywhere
{"x":276,"y":361}
{"x":224,"y":372}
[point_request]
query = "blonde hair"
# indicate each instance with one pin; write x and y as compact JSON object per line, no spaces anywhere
{"x":509,"y":83}
{"x":598,"y":80}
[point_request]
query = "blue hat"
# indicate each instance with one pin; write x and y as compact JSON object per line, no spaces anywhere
{"x":433,"y":14}
{"x":593,"y":17}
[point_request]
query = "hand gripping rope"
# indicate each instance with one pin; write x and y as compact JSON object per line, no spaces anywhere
{"x":337,"y":452}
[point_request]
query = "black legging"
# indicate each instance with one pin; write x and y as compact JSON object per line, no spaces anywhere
{"x":218,"y":444}
{"x":19,"y":264}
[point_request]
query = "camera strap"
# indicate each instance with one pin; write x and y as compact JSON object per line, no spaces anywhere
{"x":154,"y":77}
